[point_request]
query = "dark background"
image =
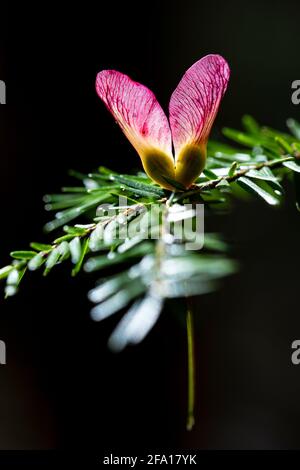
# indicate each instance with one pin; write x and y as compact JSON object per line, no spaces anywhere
{"x":61,"y":387}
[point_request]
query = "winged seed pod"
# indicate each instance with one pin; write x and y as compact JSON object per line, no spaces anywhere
{"x":192,"y":111}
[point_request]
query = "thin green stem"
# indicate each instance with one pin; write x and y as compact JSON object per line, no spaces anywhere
{"x":170,"y":200}
{"x":191,"y":370}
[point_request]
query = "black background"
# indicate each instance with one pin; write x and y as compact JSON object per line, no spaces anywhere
{"x":61,"y":387}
